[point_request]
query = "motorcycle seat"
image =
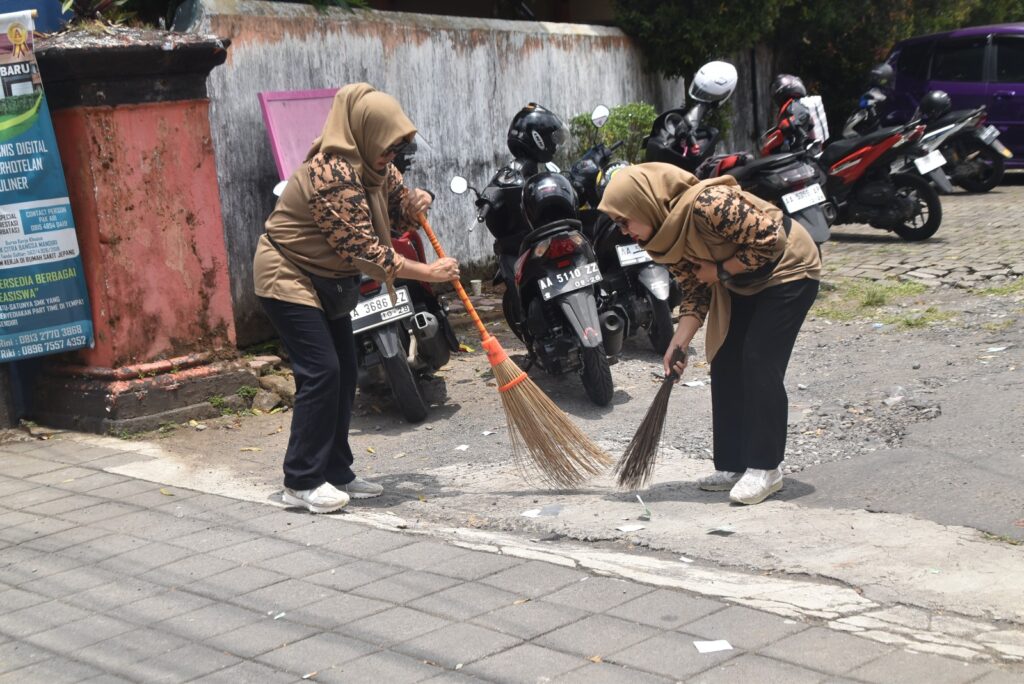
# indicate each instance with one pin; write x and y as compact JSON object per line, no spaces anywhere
{"x":843,"y":147}
{"x":950,"y":118}
{"x":548,"y":230}
{"x":772,"y":161}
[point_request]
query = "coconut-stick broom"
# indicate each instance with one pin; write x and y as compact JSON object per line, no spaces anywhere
{"x":637,"y":464}
{"x":559,"y":450}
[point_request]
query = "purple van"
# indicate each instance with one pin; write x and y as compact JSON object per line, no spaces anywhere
{"x":981,"y":65}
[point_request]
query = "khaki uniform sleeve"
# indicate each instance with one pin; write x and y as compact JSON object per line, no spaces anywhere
{"x":723,"y":210}
{"x":342,"y":212}
{"x":696,"y":295}
{"x":397,"y":192}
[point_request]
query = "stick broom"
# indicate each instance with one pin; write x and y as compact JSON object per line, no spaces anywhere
{"x":562,"y":454}
{"x":637,"y":464}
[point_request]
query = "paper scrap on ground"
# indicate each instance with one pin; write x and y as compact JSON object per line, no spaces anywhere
{"x":462,"y":447}
{"x":532,"y":513}
{"x":685,"y":559}
{"x":712,"y":646}
{"x":996,"y":349}
{"x":629,"y":528}
{"x":551,"y":510}
{"x":693,"y":383}
{"x":646,"y":515}
{"x":488,"y":433}
{"x":723,"y":531}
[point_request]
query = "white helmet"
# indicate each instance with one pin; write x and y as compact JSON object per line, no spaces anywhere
{"x":713,"y":82}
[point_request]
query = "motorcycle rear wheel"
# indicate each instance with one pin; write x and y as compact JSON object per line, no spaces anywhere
{"x":661,"y":330}
{"x":990,"y":167}
{"x":928,"y":210}
{"x":404,"y":389}
{"x":513,"y":312}
{"x":597,"y":376}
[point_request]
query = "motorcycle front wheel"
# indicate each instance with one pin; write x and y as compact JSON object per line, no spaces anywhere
{"x":927,"y":208}
{"x":661,"y":330}
{"x":403,"y":387}
{"x":597,"y":376}
{"x":988,"y":166}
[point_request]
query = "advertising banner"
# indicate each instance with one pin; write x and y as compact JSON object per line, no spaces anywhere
{"x":44,"y":306}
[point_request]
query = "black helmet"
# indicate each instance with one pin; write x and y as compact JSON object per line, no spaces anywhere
{"x":935,"y":103}
{"x":535,"y":134}
{"x":548,"y":197}
{"x":787,"y":87}
{"x":881,"y":76}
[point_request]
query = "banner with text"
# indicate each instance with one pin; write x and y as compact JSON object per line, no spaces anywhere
{"x":44,"y":305}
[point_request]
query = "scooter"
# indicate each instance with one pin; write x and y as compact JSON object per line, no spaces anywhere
{"x":550,"y":299}
{"x":637,"y":289}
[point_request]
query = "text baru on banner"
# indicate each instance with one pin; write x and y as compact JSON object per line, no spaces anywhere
{"x":44,"y":305}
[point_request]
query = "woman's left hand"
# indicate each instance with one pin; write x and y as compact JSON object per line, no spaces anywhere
{"x":417,"y":202}
{"x":706,"y":271}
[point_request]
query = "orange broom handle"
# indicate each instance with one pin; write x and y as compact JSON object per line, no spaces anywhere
{"x":458,"y":285}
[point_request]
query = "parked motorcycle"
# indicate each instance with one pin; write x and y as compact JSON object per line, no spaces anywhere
{"x":861,"y":187}
{"x":683,"y":137}
{"x":637,"y":289}
{"x":550,"y":302}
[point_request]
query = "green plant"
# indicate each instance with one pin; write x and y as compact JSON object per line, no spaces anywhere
{"x":628,"y":123}
{"x":247,"y":392}
{"x":97,"y":10}
{"x":1012,"y":287}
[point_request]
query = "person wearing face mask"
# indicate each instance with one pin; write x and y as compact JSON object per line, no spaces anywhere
{"x":332,"y":223}
{"x":753,"y":273}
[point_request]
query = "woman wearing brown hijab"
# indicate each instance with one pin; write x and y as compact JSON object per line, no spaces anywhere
{"x":753,"y":273}
{"x":333,"y":222}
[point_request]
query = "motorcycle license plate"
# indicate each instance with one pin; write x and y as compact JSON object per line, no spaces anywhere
{"x":929,"y":162}
{"x":989,"y":134}
{"x":630,"y":255}
{"x":570,"y":279}
{"x":376,"y":311}
{"x":801,"y":199}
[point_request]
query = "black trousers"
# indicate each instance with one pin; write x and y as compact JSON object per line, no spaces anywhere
{"x":323,"y":357}
{"x":749,"y":405}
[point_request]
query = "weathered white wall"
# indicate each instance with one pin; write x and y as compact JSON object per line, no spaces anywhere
{"x":459,"y":79}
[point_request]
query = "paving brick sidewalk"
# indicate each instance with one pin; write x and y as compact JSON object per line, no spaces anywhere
{"x":104,"y":578}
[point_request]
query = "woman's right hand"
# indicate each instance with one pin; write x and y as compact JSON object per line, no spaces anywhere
{"x":679,"y":366}
{"x":444,"y":270}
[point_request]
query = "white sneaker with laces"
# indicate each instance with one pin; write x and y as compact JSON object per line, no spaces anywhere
{"x":756,"y":485}
{"x":361,"y":489}
{"x":323,"y":499}
{"x":719,"y":481}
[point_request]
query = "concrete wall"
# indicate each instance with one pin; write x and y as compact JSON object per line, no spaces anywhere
{"x":459,"y":79}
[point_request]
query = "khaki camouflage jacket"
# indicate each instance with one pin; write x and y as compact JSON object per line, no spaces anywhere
{"x":322,"y":224}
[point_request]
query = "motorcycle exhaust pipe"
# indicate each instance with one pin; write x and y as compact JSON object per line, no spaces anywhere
{"x":432,"y":347}
{"x":613,"y":332}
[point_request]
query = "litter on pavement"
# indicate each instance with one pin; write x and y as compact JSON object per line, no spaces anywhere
{"x":712,"y":646}
{"x":629,"y":528}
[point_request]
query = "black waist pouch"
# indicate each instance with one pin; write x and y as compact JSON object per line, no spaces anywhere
{"x":338,"y":296}
{"x":762,"y":273}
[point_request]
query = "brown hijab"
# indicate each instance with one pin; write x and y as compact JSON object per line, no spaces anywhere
{"x":662,"y":195}
{"x":362,"y":123}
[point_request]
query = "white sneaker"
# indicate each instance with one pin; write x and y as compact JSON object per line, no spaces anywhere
{"x":361,"y":489}
{"x":718,"y":481}
{"x":756,"y":485}
{"x":323,"y":499}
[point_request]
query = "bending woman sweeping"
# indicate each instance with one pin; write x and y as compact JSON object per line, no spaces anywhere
{"x":332,"y":223}
{"x":753,"y":273}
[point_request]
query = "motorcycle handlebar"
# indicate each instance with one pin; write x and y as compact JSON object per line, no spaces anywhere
{"x":616,"y":146}
{"x":482,"y":213}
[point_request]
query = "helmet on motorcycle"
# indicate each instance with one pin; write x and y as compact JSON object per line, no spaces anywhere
{"x":786,"y":87}
{"x":881,"y":75}
{"x":713,"y":82}
{"x":935,"y":103}
{"x":536,"y":133}
{"x":548,"y":197}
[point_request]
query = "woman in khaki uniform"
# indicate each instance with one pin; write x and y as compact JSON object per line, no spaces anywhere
{"x":333,"y":222}
{"x":753,"y":273}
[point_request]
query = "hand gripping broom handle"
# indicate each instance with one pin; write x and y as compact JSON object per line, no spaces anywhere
{"x":677,"y":356}
{"x":458,"y":286}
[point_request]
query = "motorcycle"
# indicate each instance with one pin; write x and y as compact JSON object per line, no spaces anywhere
{"x":683,"y":137}
{"x":791,"y":181}
{"x":861,"y":187}
{"x":550,"y":299}
{"x":637,"y":289}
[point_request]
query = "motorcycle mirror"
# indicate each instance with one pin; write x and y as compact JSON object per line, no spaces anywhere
{"x":600,"y":115}
{"x":279,"y":188}
{"x":459,"y":185}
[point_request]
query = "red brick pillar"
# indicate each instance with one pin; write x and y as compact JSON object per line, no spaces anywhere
{"x":133,"y":130}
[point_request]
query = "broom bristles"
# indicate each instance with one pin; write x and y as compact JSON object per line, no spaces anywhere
{"x":636,"y":466}
{"x":557,"y":449}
